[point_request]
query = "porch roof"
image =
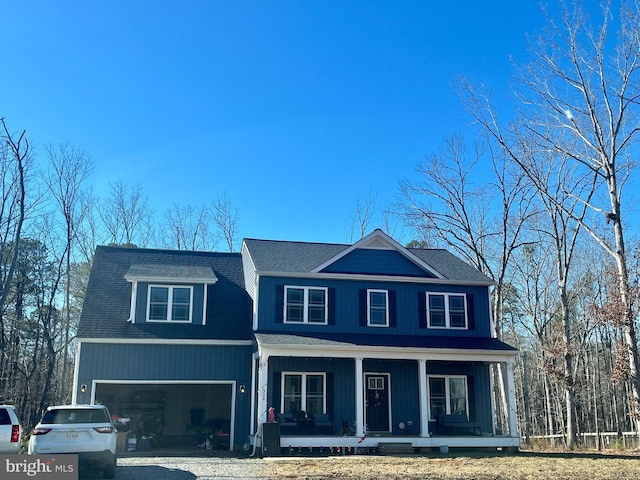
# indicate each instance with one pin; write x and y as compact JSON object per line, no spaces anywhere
{"x":352,"y":345}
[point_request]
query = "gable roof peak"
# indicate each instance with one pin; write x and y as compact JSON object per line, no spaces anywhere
{"x":379,"y":240}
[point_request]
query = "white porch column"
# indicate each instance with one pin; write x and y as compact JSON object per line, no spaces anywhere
{"x":511,"y":400}
{"x":263,"y":380}
{"x":424,"y":402}
{"x":252,"y":392}
{"x":359,"y":399}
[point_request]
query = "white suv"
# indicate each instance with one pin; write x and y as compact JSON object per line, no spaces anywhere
{"x":85,"y":430}
{"x":10,"y":431}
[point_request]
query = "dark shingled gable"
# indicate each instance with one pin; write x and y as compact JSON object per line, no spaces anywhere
{"x":108,"y":298}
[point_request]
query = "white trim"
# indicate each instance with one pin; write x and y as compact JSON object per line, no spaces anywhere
{"x":359,"y":395}
{"x":166,"y":341}
{"x":447,"y":317}
{"x":255,"y":358}
{"x":255,"y":303}
{"x":232,"y":383}
{"x":303,"y":387}
{"x":305,"y":304}
{"x":134,"y":297}
{"x":393,"y":353}
{"x":76,"y":374}
{"x":378,"y":278}
{"x":205,"y":295}
{"x":424,"y":398}
{"x":447,"y":392}
{"x":373,"y":239}
{"x":170,"y":289}
{"x":386,"y":295}
{"x":366,"y":405}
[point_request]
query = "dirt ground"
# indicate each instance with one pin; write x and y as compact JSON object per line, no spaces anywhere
{"x":461,"y":465}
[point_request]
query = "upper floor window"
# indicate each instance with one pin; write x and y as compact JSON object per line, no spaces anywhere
{"x":448,"y":395}
{"x":303,"y":392}
{"x":377,"y":308}
{"x":169,"y":303}
{"x":305,"y":304}
{"x":446,"y":310}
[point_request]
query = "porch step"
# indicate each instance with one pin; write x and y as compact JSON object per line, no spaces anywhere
{"x":395,"y":448}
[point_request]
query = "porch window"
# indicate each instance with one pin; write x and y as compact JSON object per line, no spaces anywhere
{"x":377,"y":308}
{"x":448,"y":395}
{"x":303,"y":392}
{"x":305,"y":305}
{"x":447,"y":310}
{"x":169,"y":303}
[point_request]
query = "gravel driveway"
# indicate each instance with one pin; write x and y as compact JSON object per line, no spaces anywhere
{"x":188,"y":468}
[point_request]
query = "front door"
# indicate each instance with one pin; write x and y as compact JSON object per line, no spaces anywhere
{"x":377,"y":402}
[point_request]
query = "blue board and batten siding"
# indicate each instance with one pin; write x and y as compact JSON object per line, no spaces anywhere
{"x":404,"y":381}
{"x":377,"y":262}
{"x":169,"y":363}
{"x":345,"y":307}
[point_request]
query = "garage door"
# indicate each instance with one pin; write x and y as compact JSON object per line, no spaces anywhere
{"x":172,"y":415}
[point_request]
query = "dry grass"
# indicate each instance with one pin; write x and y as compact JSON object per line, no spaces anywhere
{"x":459,"y":465}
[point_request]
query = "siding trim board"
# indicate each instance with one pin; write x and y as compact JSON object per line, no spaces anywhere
{"x":380,"y":278}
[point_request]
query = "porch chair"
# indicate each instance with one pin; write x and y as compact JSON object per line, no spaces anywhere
{"x":322,"y":424}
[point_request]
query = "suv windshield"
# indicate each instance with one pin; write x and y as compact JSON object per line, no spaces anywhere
{"x":80,"y":415}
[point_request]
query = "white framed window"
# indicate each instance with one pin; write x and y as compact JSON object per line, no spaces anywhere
{"x":375,"y":383}
{"x":448,"y":395}
{"x":304,"y":392}
{"x":169,"y":303}
{"x":447,"y":310}
{"x":305,"y":304}
{"x":377,"y":308}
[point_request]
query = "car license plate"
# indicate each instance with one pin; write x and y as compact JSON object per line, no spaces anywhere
{"x":72,"y":435}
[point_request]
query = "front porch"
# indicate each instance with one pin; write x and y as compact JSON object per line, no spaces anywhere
{"x":354,"y":444}
{"x":371,"y":396}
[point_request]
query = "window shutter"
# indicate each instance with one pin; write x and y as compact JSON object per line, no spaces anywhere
{"x":330,"y":394}
{"x":363,"y":307}
{"x":274,"y":399}
{"x":422,"y":309}
{"x":279,"y":313}
{"x":472,"y":398}
{"x":471,"y":320}
{"x":331,"y":314}
{"x":393,"y":316}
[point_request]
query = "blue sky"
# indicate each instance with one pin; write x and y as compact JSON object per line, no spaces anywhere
{"x":293,"y":108}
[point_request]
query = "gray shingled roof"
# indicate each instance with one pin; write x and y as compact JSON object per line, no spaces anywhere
{"x":302,"y":257}
{"x":108,"y":298}
{"x":171,"y":272}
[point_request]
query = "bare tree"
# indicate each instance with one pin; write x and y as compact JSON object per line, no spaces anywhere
{"x":450,"y":208}
{"x":14,"y":157}
{"x":188,"y":228}
{"x":362,"y":216}
{"x":68,"y":170}
{"x":226,"y":218}
{"x":580,"y":101}
{"x":126,"y":215}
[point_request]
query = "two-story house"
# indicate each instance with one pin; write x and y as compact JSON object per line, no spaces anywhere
{"x":344,"y":345}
